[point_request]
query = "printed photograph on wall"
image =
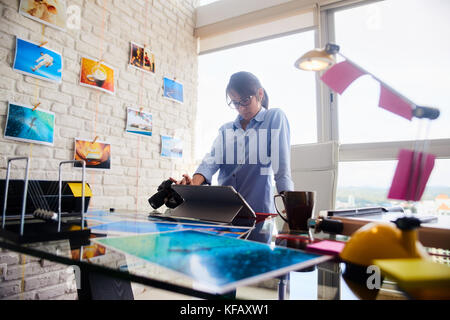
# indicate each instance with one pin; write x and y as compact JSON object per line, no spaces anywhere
{"x":139,"y":122}
{"x":97,"y":155}
{"x":173,"y":90}
{"x":142,"y":58}
{"x":24,"y":124}
{"x":171,"y":147}
{"x":48,"y":12}
{"x":38,"y":62}
{"x":97,"y":75}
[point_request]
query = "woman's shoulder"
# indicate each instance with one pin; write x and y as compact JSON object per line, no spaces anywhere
{"x":275,"y":113}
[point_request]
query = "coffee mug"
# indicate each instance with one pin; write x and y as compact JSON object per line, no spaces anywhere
{"x":299,"y":207}
{"x":98,"y":76}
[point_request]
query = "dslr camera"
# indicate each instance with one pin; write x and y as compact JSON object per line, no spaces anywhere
{"x":165,"y":195}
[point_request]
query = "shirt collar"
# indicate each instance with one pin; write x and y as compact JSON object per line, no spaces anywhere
{"x":259,"y":117}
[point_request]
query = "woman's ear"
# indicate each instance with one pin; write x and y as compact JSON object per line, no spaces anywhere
{"x":260,"y":94}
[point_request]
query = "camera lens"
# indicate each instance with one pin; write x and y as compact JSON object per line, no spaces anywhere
{"x":157,"y":200}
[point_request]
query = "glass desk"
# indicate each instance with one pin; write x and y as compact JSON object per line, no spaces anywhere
{"x":98,"y":264}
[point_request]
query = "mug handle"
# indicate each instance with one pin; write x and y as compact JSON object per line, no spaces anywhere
{"x":279,"y":195}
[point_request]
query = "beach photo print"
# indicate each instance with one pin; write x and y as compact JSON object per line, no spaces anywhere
{"x":38,"y":62}
{"x":97,"y":75}
{"x":49,"y":12}
{"x":139,"y":122}
{"x":173,"y":90}
{"x":96,"y":154}
{"x":24,"y":124}
{"x":171,"y":147}
{"x":142,"y":58}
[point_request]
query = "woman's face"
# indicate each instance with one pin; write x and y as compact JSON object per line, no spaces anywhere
{"x":240,"y":103}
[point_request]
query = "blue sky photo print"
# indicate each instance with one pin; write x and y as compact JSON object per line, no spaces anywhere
{"x":38,"y":62}
{"x":173,"y":90}
{"x":171,"y":147}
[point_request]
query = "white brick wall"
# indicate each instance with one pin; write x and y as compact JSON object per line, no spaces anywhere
{"x":169,"y":34}
{"x":27,"y":278}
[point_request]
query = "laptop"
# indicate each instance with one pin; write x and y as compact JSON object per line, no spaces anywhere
{"x":212,"y":203}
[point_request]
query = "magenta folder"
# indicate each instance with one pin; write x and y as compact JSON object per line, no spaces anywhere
{"x":341,"y":75}
{"x":411,"y":175}
{"x":327,"y":247}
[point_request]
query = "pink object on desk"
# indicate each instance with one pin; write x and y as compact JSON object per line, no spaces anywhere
{"x":411,"y":175}
{"x":262,"y":216}
{"x":326,"y":247}
{"x":393,"y":103}
{"x":341,"y":75}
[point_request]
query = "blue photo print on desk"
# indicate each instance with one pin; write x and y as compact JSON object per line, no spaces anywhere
{"x":38,"y":62}
{"x":173,"y":90}
{"x":217,"y":264}
{"x":24,"y":124}
{"x":127,"y":226}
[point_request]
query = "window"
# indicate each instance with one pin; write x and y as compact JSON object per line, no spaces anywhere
{"x":405,"y":44}
{"x":367,"y":183}
{"x":402,"y":42}
{"x":272,"y":61}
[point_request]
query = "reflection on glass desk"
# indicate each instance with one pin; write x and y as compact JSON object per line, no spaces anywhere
{"x":291,"y":274}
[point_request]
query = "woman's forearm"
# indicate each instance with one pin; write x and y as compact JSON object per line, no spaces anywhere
{"x":198,"y":179}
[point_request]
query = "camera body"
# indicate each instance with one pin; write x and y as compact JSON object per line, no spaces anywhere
{"x":165,"y":195}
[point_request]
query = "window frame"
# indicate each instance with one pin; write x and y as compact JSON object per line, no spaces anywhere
{"x":328,"y":107}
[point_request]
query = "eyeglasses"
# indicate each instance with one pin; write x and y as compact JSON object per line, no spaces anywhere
{"x":236,"y":104}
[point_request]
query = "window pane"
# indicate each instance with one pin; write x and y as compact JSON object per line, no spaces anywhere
{"x":272,"y":61}
{"x":405,"y":44}
{"x":367,"y":183}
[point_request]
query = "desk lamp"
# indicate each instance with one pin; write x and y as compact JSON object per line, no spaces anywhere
{"x":321,"y":59}
{"x":380,"y":240}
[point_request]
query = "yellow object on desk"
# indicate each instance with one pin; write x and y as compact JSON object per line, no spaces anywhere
{"x":76,"y":189}
{"x":380,"y":240}
{"x":420,"y":278}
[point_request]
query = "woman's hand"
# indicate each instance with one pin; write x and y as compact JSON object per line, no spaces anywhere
{"x":185,"y":180}
{"x":197,"y":180}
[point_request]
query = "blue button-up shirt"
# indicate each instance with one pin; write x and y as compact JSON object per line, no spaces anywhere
{"x":247,"y":159}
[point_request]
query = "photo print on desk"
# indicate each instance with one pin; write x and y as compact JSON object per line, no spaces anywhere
{"x":173,"y":90}
{"x":195,"y":254}
{"x":97,"y":75}
{"x":139,"y":122}
{"x":142,"y":58}
{"x":38,"y":62}
{"x":49,"y":12}
{"x":24,"y":124}
{"x":171,"y":147}
{"x":127,"y":227}
{"x":96,"y":154}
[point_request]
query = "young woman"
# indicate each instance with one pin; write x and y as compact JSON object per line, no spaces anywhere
{"x":252,"y":149}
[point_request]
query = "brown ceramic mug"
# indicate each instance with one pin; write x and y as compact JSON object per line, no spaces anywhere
{"x":299,"y":206}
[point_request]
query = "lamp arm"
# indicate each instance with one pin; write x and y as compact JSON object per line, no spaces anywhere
{"x":418,"y":112}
